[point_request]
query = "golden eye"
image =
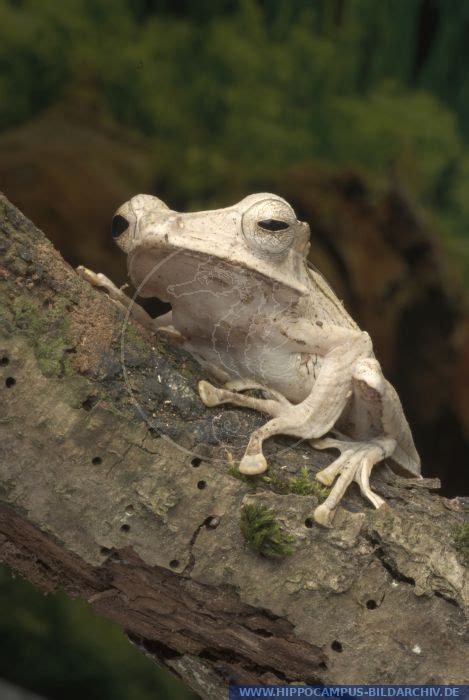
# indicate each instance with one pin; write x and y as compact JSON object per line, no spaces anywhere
{"x":273,"y":225}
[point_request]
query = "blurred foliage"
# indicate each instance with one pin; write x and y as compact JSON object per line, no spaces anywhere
{"x":57,"y":647}
{"x":229,"y":92}
{"x":241,"y":89}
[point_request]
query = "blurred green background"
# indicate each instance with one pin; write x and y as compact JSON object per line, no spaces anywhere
{"x":226,"y":92}
{"x":355,"y":110}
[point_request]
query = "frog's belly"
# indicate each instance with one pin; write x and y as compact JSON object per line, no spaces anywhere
{"x":292,"y":374}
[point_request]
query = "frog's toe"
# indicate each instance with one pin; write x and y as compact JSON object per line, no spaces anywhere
{"x":325,"y":478}
{"x":88,"y":275}
{"x":253,"y":464}
{"x":209,"y":394}
{"x":328,"y":475}
{"x":324,"y":515}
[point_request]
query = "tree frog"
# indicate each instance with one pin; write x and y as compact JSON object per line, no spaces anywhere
{"x":247,"y":304}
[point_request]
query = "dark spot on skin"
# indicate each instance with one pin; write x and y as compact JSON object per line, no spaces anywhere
{"x":174,"y":563}
{"x":371,"y":604}
{"x":119,"y":225}
{"x":201,"y":484}
{"x":96,"y":460}
{"x":9,"y":382}
{"x":309,"y":522}
{"x":319,"y":323}
{"x":336,"y":646}
{"x":4,"y":361}
{"x":125,"y":528}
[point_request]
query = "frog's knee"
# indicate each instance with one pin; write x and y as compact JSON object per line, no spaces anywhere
{"x":368,"y":370}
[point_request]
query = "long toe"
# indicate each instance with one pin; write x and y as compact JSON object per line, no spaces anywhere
{"x":328,"y":475}
{"x":362,"y":478}
{"x":208,"y":394}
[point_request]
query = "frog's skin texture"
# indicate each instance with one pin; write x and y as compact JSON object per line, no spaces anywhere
{"x":248,"y":306}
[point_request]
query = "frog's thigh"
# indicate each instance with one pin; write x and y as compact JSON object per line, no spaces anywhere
{"x":368,"y":373}
{"x":369,"y":390}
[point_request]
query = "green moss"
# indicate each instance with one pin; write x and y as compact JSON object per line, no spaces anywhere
{"x":6,"y":325}
{"x":48,"y":331}
{"x":461,"y":539}
{"x":263,"y":533}
{"x":303,"y":485}
{"x":236,"y":474}
{"x":278,"y":483}
{"x":134,"y":341}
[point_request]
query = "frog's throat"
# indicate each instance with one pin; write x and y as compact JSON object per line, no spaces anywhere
{"x":144,"y":263}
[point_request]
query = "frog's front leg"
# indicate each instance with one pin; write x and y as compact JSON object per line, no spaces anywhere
{"x":316,"y":415}
{"x":162,"y":323}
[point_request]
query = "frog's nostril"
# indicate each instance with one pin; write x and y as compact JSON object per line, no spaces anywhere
{"x":119,"y":225}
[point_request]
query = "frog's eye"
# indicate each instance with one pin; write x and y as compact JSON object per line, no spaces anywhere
{"x":273,"y":225}
{"x":119,"y":225}
{"x":269,"y":227}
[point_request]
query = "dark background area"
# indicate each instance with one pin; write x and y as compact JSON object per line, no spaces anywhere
{"x":356,"y":111}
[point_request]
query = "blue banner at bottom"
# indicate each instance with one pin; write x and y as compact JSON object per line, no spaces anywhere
{"x":348,"y":691}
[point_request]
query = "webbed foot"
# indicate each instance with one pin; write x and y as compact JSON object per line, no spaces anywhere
{"x":355,"y":463}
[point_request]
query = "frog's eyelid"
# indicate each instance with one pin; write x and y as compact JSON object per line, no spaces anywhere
{"x":273,"y":225}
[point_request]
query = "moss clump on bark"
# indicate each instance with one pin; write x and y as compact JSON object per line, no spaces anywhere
{"x":461,"y":539}
{"x":302,"y":485}
{"x":47,"y":330}
{"x":263,"y":533}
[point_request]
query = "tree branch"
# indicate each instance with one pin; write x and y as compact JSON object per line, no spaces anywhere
{"x":101,"y":494}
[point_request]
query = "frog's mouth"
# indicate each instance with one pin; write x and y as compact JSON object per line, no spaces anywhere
{"x":158,"y":268}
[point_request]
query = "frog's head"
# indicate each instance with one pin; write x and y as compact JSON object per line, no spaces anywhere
{"x":260,"y":235}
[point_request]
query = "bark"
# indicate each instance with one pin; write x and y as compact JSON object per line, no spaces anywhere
{"x":119,"y":486}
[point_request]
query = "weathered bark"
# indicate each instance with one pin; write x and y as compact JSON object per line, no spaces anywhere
{"x":100,"y":494}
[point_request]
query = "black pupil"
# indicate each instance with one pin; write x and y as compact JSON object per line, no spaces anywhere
{"x":273,"y":225}
{"x":119,"y":225}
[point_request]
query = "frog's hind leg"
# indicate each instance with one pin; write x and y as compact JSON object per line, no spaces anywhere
{"x":358,"y":457}
{"x":355,"y":463}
